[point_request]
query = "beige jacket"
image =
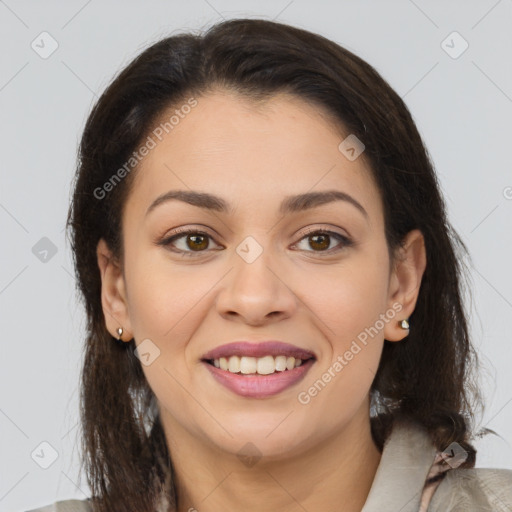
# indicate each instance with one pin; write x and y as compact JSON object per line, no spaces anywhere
{"x":401,"y":483}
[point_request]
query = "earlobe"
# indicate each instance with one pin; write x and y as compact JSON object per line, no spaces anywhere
{"x":405,"y":283}
{"x":113,"y":294}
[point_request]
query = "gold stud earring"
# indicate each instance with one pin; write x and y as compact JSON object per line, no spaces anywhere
{"x":404,"y":324}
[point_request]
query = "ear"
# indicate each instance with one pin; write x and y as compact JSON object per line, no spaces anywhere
{"x":405,"y":281}
{"x":113,"y":293}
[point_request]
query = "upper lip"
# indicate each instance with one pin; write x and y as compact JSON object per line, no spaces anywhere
{"x":258,"y":349}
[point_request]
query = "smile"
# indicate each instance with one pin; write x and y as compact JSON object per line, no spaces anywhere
{"x":258,"y":370}
{"x":255,"y":384}
{"x":257,"y":365}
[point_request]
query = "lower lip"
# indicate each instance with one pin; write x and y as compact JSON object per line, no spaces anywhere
{"x":260,"y":386}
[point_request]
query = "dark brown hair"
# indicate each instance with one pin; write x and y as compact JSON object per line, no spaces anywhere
{"x":429,"y":377}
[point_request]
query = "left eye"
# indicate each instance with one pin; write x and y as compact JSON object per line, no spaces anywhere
{"x":322,"y":240}
{"x":197,"y":241}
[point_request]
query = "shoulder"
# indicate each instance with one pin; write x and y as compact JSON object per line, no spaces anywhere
{"x":476,"y":489}
{"x":66,"y":506}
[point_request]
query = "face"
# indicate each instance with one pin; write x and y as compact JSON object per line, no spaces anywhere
{"x":315,"y":276}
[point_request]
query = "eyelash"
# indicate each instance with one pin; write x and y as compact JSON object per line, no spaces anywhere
{"x":166,"y":242}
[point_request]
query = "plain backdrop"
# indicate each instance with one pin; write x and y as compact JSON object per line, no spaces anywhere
{"x":458,"y":86}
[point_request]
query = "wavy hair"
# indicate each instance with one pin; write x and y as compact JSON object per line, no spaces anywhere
{"x":429,"y":377}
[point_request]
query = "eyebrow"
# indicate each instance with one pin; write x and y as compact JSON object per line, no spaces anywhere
{"x":290,"y":204}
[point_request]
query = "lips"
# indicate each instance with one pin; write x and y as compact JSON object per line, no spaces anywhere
{"x":259,"y":386}
{"x":260,"y":349}
{"x":248,"y":384}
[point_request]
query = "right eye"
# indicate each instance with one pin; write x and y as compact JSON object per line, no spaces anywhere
{"x":193,"y":242}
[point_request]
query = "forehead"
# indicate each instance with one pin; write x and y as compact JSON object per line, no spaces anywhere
{"x":235,"y":147}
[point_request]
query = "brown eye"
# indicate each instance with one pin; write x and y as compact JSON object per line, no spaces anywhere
{"x":320,"y":241}
{"x":188,"y":242}
{"x":196,"y":242}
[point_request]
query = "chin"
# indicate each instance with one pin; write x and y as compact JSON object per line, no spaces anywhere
{"x":264,"y":442}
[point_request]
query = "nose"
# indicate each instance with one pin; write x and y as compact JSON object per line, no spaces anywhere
{"x":256,"y":293}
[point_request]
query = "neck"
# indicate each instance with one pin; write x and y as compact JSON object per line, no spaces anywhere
{"x":336,"y":474}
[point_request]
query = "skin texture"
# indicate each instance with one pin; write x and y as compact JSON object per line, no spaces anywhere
{"x":314,"y":456}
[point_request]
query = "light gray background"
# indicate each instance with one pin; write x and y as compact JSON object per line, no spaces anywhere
{"x":462,"y":106}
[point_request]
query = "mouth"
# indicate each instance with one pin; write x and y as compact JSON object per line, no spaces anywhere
{"x":262,"y":358}
{"x":266,"y":365}
{"x":258,"y":370}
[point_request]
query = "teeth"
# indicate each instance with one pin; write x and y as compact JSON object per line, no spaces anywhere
{"x":281,"y":363}
{"x":257,"y":365}
{"x":234,"y":364}
{"x":248,"y":365}
{"x":266,"y":365}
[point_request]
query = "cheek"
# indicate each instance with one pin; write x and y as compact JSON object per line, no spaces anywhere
{"x":348,"y":298}
{"x":350,"y":303}
{"x":167,"y":304}
{"x":164,"y":297}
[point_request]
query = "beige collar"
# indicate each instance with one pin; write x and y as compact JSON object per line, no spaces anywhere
{"x":405,"y":463}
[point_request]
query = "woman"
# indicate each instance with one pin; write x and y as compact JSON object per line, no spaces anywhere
{"x":272,"y":287}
